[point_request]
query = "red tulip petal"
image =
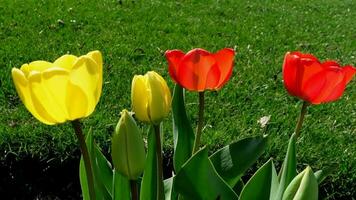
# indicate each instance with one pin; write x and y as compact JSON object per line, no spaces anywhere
{"x":312,"y":88}
{"x":290,"y":66}
{"x":225,"y":62}
{"x":305,"y":56}
{"x":174,"y":57}
{"x":213,"y":78}
{"x":349,"y":72}
{"x":307,"y":69}
{"x":334,"y":85}
{"x":194,"y":68}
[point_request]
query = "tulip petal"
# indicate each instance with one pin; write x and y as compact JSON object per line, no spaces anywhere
{"x":225,"y":62}
{"x":332,"y":79}
{"x":43,"y":100}
{"x":213,"y":78}
{"x":290,"y":66}
{"x":157,"y":99}
{"x":21,"y":84}
{"x":349,"y":72}
{"x":25,"y":69}
{"x":174,"y":57}
{"x":307,"y":69}
{"x":85,"y":75}
{"x":76,"y":102}
{"x":55,"y":80}
{"x":39,"y":65}
{"x":194,"y":69}
{"x":98,"y":58}
{"x":139,"y":98}
{"x":65,"y":61}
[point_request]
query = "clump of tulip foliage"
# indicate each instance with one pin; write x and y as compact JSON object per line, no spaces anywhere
{"x":69,"y":89}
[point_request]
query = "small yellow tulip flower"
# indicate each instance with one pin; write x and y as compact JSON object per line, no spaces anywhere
{"x":151,"y":98}
{"x":67,"y":89}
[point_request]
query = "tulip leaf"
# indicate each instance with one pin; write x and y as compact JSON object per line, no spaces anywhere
{"x":320,"y":176}
{"x":168,"y":189}
{"x":197,"y":179}
{"x":303,"y":187}
{"x":260,"y":184}
{"x":121,"y":187}
{"x":183,"y":133}
{"x":274,"y":183}
{"x":150,"y":176}
{"x":238,"y":187}
{"x":101,"y":172}
{"x":233,"y":160}
{"x":289,"y":168}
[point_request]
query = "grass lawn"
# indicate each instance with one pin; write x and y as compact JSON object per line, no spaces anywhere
{"x":133,"y":37}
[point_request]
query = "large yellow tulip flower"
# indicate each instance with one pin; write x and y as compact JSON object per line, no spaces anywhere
{"x":67,"y":89}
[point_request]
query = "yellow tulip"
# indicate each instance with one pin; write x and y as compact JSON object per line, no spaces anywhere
{"x":151,"y":98}
{"x":67,"y":89}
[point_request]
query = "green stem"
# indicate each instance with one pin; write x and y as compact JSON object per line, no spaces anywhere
{"x":134,"y":191}
{"x":200,"y":123}
{"x":301,"y":119}
{"x":83,"y":148}
{"x":160,"y":189}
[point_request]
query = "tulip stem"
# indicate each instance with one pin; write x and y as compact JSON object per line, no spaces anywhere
{"x":160,"y":189}
{"x":200,"y":123}
{"x":83,"y":148}
{"x":301,"y":119}
{"x":134,"y":191}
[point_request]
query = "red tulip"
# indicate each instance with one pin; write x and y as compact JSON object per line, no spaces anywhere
{"x":200,"y":70}
{"x":305,"y":77}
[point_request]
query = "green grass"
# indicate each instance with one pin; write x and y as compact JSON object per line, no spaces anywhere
{"x":133,"y":38}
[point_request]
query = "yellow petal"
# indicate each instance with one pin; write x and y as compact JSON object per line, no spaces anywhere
{"x":39,"y":65}
{"x":167,"y":93}
{"x":65,"y":62}
{"x":85,"y":75}
{"x":139,"y":98}
{"x":157,"y":98}
{"x":98,"y":58}
{"x":42,"y":99}
{"x":25,"y":69}
{"x":21,"y":84}
{"x":76,"y":102}
{"x":55,"y":81}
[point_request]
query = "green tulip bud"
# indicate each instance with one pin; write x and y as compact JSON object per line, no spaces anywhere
{"x":303,"y":186}
{"x":127,"y":147}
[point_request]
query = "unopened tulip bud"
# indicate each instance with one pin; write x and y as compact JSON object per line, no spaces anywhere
{"x":151,"y":98}
{"x":128,"y":152}
{"x":303,"y":186}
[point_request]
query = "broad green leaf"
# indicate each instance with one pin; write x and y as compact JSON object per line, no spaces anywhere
{"x":233,"y":160}
{"x":83,"y":180}
{"x":120,"y":187}
{"x":150,"y":176}
{"x":183,"y":134}
{"x":259,"y":185}
{"x":82,"y":172}
{"x":303,"y":187}
{"x":103,"y":170}
{"x":168,"y":189}
{"x":99,"y":166}
{"x":197,"y":179}
{"x":289,"y":168}
{"x":238,"y":187}
{"x":274,"y":183}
